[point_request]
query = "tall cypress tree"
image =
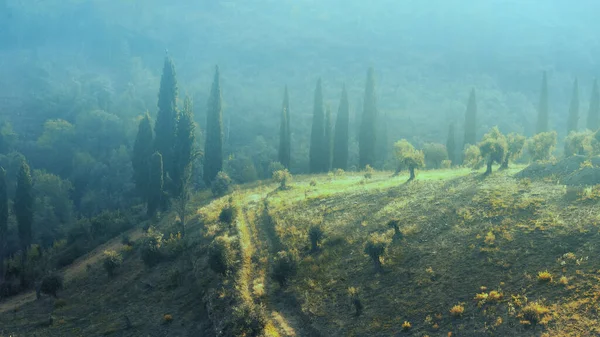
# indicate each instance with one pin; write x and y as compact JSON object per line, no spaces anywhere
{"x":155,"y":187}
{"x":593,"y":118}
{"x":368,"y":127}
{"x":184,"y":148}
{"x":382,"y":150}
{"x":142,"y":151}
{"x":213,"y":148}
{"x":328,"y":140}
{"x":184,"y":157}
{"x":166,"y":120}
{"x":317,"y":135}
{"x":284,"y":132}
{"x":3,"y":220}
{"x":23,"y":205}
{"x":573,"y":121}
{"x":542,"y":122}
{"x":340,"y":141}
{"x":451,"y":144}
{"x":471,"y":121}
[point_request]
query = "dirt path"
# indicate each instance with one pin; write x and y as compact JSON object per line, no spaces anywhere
{"x":285,"y":303}
{"x":73,"y":270}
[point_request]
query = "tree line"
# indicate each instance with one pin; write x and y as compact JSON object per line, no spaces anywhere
{"x":329,"y":140}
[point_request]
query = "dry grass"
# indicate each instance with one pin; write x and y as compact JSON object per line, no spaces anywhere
{"x":460,"y":235}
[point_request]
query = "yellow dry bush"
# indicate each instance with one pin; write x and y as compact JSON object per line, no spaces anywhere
{"x":494,"y":296}
{"x":457,"y":310}
{"x":481,"y":298}
{"x":535,"y":312}
{"x":490,"y":238}
{"x":544,"y":276}
{"x":563,"y":280}
{"x":406,"y":326}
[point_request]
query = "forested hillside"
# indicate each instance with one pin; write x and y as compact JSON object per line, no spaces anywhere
{"x":156,"y":129}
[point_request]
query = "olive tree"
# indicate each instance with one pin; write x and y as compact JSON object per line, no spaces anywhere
{"x":409,"y":157}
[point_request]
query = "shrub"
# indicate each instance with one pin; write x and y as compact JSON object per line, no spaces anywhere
{"x":472,"y":157}
{"x":563,"y":280}
{"x":315,"y":235}
{"x":534,"y":312}
{"x":285,"y":267}
{"x":51,"y":284}
{"x":544,"y":276}
{"x":241,"y":169}
{"x":406,"y":326}
{"x":274,"y":166}
{"x":112,"y":261}
{"x":221,"y":255}
{"x":339,"y":172}
{"x":435,"y":154}
{"x":457,"y":310}
{"x":540,"y":146}
{"x":368,"y":171}
{"x":248,"y":320}
{"x":173,"y":246}
{"x":127,"y":249}
{"x":446,"y":164}
{"x":227,"y":214}
{"x":481,"y":298}
{"x":313,"y":183}
{"x":579,"y":143}
{"x":495,"y":296}
{"x":375,"y":247}
{"x":353,"y":293}
{"x":221,"y":185}
{"x":282,"y":177}
{"x":150,"y":248}
{"x":515,"y":142}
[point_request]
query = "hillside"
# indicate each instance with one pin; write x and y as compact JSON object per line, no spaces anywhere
{"x":480,"y":245}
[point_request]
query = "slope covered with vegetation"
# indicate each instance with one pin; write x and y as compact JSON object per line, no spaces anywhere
{"x":459,"y":255}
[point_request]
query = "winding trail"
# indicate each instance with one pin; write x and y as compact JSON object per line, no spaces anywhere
{"x":284,"y":302}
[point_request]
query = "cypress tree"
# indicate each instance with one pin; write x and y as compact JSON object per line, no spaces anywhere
{"x":286,"y":102}
{"x":3,"y":220}
{"x":542,"y":122}
{"x":155,"y":187}
{"x":23,"y":205}
{"x":184,"y":157}
{"x":142,"y":151}
{"x":284,"y":132}
{"x":317,"y":136}
{"x":213,"y":149}
{"x":340,"y":142}
{"x":451,"y":144}
{"x":593,"y":119}
{"x":381,"y":150}
{"x":573,"y":122}
{"x":184,"y":148}
{"x":328,"y":140}
{"x":166,"y":120}
{"x":368,"y":127}
{"x":471,"y":120}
